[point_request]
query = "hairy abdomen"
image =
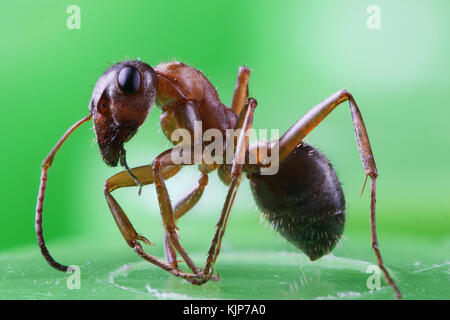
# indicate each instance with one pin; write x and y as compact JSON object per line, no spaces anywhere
{"x":304,"y":201}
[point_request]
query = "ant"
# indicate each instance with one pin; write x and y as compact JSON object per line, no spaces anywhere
{"x":303,"y":200}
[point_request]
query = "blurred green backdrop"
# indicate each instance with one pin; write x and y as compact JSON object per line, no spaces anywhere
{"x":300,"y":52}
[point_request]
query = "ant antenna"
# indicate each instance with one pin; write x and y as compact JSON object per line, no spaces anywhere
{"x":40,"y":200}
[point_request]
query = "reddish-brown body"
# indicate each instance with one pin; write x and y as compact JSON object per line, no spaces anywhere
{"x":179,"y":83}
{"x":184,"y":96}
{"x":120,"y":104}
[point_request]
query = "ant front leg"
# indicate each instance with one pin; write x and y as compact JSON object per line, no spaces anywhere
{"x":124,"y":179}
{"x":308,"y":122}
{"x":144,"y":175}
{"x":161,"y":162}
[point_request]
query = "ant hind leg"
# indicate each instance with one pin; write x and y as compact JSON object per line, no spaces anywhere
{"x":289,"y":141}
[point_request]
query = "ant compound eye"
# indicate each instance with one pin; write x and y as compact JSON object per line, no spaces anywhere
{"x":129,"y":80}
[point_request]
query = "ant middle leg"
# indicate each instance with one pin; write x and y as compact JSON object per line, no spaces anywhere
{"x":160,"y":163}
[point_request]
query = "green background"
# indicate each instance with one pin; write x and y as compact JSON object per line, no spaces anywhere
{"x":300,"y":52}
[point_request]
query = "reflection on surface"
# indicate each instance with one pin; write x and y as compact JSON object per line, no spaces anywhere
{"x":288,"y":275}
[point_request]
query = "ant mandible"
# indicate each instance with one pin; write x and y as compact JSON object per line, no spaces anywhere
{"x":303,"y":200}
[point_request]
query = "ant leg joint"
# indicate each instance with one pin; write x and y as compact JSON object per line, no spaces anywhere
{"x":156,"y":164}
{"x":253,"y":102}
{"x":244,"y":70}
{"x":375,"y":245}
{"x":107,"y":186}
{"x":203,"y":182}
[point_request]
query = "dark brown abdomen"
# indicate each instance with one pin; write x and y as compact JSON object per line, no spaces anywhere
{"x":304,"y":201}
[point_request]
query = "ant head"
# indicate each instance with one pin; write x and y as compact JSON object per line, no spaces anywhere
{"x":121,"y":101}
